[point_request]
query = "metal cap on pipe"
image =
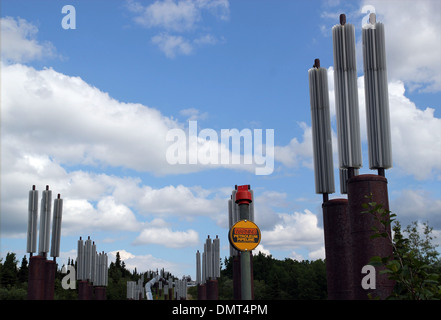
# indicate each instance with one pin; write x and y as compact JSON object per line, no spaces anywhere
{"x":342,"y":19}
{"x":243,"y":196}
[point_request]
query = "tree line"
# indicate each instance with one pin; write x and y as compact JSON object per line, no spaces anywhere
{"x":14,"y":279}
{"x":415,"y":266}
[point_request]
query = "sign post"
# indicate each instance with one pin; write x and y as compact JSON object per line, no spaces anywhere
{"x":244,"y":235}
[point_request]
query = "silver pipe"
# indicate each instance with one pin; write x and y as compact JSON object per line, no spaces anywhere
{"x":80,"y":260}
{"x":56,"y":227}
{"x":45,"y":222}
{"x":198,"y":268}
{"x":31,"y":246}
{"x":321,"y":129}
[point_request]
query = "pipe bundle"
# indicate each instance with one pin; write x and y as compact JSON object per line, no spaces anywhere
{"x":346,"y":95}
{"x":91,"y":265}
{"x":376,"y":95}
{"x":321,"y":129}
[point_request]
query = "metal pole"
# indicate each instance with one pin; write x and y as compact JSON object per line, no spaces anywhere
{"x":56,"y":227}
{"x":45,"y":222}
{"x":32,"y":221}
{"x":243,"y":198}
{"x":245,"y":273}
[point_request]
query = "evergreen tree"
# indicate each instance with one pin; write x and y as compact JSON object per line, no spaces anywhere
{"x":23,"y":273}
{"x":9,"y":270}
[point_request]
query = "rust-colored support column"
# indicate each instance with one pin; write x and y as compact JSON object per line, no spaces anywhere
{"x":363,"y":247}
{"x":83,"y":290}
{"x":100,"y":293}
{"x":212,"y":290}
{"x":36,"y":280}
{"x":252,"y":275}
{"x":338,"y":249}
{"x":202,"y":292}
{"x":50,"y":267}
{"x":236,"y":278}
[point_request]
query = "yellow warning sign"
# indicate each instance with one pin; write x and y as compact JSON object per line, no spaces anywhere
{"x":244,"y":235}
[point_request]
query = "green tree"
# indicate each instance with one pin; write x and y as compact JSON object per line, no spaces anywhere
{"x":280,"y":279}
{"x":415,"y":265}
{"x":23,"y":273}
{"x":9,"y":271}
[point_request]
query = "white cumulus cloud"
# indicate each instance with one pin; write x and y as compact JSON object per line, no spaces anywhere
{"x":19,"y":42}
{"x":167,"y":237}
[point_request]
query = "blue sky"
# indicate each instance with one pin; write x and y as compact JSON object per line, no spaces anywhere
{"x":86,"y":111}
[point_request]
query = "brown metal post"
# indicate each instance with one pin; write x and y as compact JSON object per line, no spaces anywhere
{"x":202,"y":292}
{"x":363,"y":247}
{"x":338,"y":249}
{"x":212,"y":290}
{"x":236,"y":278}
{"x":100,"y":293}
{"x":50,"y":267}
{"x":83,"y":290}
{"x":36,"y":280}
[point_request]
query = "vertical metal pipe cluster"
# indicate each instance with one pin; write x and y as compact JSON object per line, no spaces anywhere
{"x":92,"y":270}
{"x":165,"y":285}
{"x":376,"y":95}
{"x":321,"y":129}
{"x":207,"y":275}
{"x":135,"y":289}
{"x":346,"y":95}
{"x":41,"y":281}
{"x":180,"y":292}
{"x":347,"y":229}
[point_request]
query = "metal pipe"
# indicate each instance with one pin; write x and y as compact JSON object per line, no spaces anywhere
{"x":245,"y":273}
{"x":32,"y":221}
{"x":148,"y":287}
{"x":198,"y":268}
{"x":95,"y":265}
{"x":346,"y":95}
{"x":45,"y":222}
{"x":321,"y":129}
{"x":243,"y":198}
{"x":216,"y":257}
{"x":80,"y":260}
{"x":376,"y":95}
{"x":56,"y":227}
{"x":209,"y":258}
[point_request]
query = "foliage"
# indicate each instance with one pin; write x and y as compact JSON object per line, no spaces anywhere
{"x":415,"y":265}
{"x":14,"y":280}
{"x":279,"y":279}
